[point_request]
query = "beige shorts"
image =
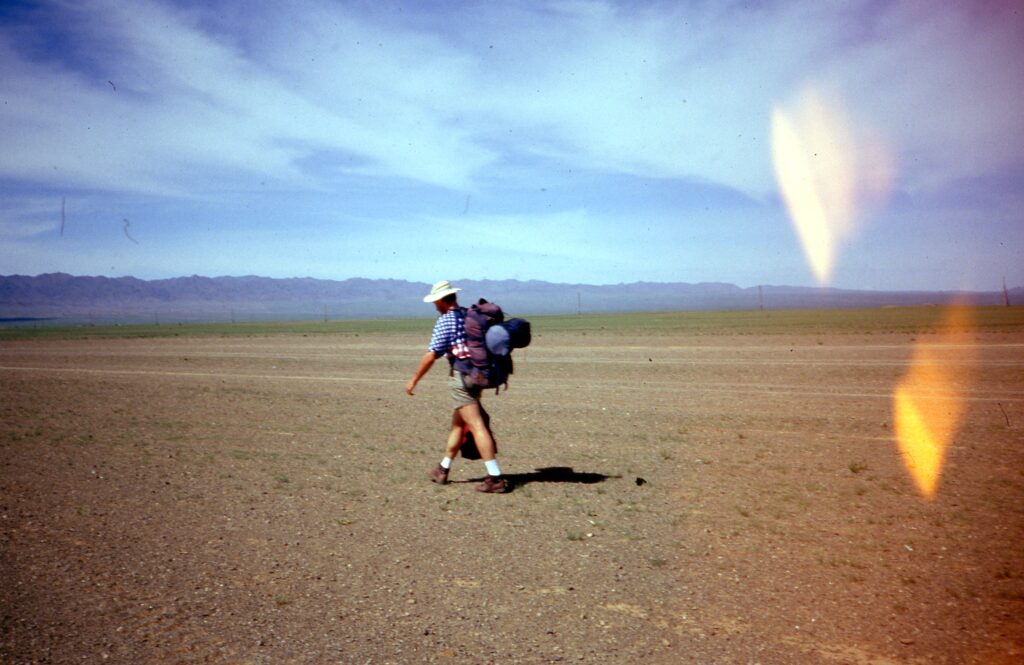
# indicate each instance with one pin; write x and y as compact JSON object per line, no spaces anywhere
{"x":461,"y":395}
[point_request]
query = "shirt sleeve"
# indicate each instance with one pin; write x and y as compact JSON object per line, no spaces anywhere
{"x":443,"y":337}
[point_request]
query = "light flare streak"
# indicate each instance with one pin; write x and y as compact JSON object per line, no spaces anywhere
{"x":830,"y":172}
{"x":928,"y":403}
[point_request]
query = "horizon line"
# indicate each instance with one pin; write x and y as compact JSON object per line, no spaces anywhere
{"x":1001,"y":288}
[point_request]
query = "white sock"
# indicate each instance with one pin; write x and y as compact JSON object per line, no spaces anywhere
{"x":492,"y":467}
{"x":446,"y":463}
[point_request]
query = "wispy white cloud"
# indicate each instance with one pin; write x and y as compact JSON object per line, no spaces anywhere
{"x":27,"y":217}
{"x":679,"y":91}
{"x":165,"y":98}
{"x":686,"y":92}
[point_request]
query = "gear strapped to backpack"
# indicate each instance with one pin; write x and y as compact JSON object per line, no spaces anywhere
{"x":491,"y":339}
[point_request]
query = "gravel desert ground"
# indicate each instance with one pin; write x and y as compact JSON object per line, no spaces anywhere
{"x":705,"y":492}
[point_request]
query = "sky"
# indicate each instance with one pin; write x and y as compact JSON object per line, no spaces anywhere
{"x":567,"y":141}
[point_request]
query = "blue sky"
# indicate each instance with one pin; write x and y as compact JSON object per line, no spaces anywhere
{"x":592,"y":142}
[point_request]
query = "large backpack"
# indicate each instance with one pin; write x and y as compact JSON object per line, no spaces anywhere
{"x":491,"y":339}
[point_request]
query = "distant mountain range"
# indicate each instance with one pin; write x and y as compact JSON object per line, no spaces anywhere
{"x":68,"y":298}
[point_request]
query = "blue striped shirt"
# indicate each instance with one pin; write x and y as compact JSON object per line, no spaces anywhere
{"x":449,"y":336}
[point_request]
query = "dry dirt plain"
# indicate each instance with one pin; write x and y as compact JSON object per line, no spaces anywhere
{"x":680,"y":498}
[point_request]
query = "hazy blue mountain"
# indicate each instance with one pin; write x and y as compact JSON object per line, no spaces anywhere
{"x":127,"y":299}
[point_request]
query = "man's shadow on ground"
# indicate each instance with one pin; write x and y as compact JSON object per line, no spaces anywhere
{"x":553,"y":474}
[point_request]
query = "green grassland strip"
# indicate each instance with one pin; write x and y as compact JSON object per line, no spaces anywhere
{"x":909,"y":320}
{"x":241,"y":329}
{"x":902,"y":320}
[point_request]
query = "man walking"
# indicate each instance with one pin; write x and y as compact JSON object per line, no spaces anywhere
{"x":449,"y":339}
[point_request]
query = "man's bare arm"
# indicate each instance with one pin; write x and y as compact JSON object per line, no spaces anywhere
{"x":426,"y":362}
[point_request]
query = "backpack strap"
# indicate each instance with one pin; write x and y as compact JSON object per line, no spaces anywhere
{"x":452,"y":360}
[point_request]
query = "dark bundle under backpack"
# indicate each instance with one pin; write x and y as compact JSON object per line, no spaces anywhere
{"x":467,"y":447}
{"x":491,"y":340}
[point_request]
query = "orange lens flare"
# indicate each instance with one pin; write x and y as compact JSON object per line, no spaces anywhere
{"x":928,"y":404}
{"x":827,"y":172}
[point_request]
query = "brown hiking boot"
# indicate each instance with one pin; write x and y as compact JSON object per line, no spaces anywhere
{"x":493,"y":485}
{"x":439,"y":475}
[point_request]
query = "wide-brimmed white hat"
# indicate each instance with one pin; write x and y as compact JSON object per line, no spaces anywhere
{"x":440,"y":290}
